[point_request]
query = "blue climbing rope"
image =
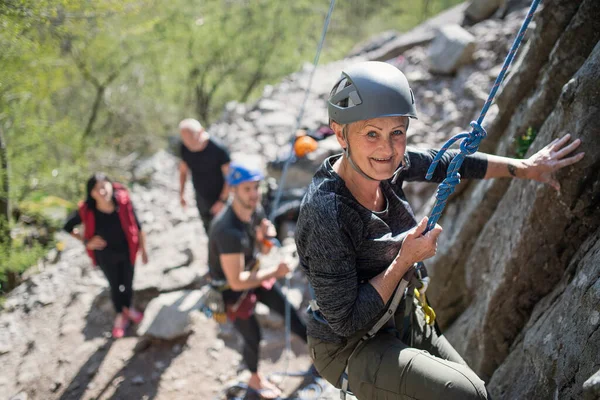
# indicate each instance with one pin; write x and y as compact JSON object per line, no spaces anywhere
{"x":291,"y":156}
{"x":471,"y":140}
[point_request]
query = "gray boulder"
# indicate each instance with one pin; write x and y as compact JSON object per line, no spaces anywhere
{"x":168,"y":316}
{"x":417,"y":36}
{"x":478,"y":10}
{"x":452,"y":48}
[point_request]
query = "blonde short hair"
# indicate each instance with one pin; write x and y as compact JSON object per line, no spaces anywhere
{"x":191,"y":125}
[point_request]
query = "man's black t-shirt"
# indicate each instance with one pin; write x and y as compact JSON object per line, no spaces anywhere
{"x":230,"y":235}
{"x":207,"y":175}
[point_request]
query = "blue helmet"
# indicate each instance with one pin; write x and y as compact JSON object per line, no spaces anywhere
{"x":240,"y":173}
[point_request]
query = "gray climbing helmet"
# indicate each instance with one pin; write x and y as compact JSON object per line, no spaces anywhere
{"x":371,"y":89}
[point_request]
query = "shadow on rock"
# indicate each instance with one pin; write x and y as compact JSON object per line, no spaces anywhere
{"x":100,"y":317}
{"x":141,"y":375}
{"x":84,"y":377}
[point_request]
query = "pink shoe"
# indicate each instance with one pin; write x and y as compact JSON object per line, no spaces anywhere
{"x":134,"y":315}
{"x":119,"y":328}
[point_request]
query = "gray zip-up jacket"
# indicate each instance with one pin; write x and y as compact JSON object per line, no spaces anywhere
{"x":342,"y":245}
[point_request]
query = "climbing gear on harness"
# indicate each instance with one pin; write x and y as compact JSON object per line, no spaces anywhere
{"x":371,"y":89}
{"x":214,"y":306}
{"x":427,"y":310}
{"x":212,"y":302}
{"x":367,"y":90}
{"x":240,"y":173}
{"x":471,"y":140}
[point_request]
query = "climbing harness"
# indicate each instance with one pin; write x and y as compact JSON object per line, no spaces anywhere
{"x":471,"y":140}
{"x":414,"y":277}
{"x":212,"y":303}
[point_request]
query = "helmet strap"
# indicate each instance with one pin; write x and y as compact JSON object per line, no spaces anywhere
{"x":357,"y":168}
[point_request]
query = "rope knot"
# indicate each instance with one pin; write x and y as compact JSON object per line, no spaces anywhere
{"x":471,"y":143}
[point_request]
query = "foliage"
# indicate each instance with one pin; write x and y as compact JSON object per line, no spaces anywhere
{"x":85,"y":83}
{"x":524,"y":141}
{"x":15,"y":258}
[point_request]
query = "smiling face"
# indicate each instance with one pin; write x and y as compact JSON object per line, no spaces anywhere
{"x":377,"y":145}
{"x":102,"y":191}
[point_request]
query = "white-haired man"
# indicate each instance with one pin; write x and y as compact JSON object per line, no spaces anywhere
{"x":208,"y":161}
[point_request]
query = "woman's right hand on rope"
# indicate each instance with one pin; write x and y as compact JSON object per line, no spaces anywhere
{"x":96,"y":243}
{"x":418,"y":246}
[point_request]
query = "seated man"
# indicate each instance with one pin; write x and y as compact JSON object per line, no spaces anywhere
{"x":235,"y":237}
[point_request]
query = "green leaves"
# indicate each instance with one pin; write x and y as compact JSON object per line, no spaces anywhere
{"x":82,"y":78}
{"x":524,"y":141}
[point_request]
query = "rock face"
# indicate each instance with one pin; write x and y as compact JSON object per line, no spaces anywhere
{"x":516,"y":277}
{"x":561,"y":341}
{"x":452,"y":48}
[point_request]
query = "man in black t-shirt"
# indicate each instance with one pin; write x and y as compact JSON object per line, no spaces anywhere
{"x":208,"y":161}
{"x":235,"y":238}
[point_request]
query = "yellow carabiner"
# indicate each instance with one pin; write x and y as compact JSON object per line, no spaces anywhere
{"x":428,"y":311}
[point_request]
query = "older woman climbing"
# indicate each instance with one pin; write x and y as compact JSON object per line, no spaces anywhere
{"x":357,"y":236}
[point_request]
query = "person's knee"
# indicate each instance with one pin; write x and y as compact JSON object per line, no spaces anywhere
{"x":466,"y":386}
{"x":460,"y":383}
{"x":430,"y":377}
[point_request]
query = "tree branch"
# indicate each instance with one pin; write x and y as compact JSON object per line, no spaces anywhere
{"x":4,"y":192}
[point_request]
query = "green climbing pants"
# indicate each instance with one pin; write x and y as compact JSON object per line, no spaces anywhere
{"x":386,"y":368}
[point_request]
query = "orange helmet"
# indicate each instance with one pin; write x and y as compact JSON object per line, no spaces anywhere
{"x":304,"y":145}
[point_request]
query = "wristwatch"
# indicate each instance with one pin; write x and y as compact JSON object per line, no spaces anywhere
{"x":224,"y":201}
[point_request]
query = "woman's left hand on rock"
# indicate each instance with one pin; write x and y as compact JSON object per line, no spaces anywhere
{"x":542,"y":165}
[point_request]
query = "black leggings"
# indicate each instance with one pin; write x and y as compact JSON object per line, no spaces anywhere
{"x":250,"y":329}
{"x":119,"y":273}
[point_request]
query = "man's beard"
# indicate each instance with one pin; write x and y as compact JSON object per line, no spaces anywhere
{"x":246,"y":205}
